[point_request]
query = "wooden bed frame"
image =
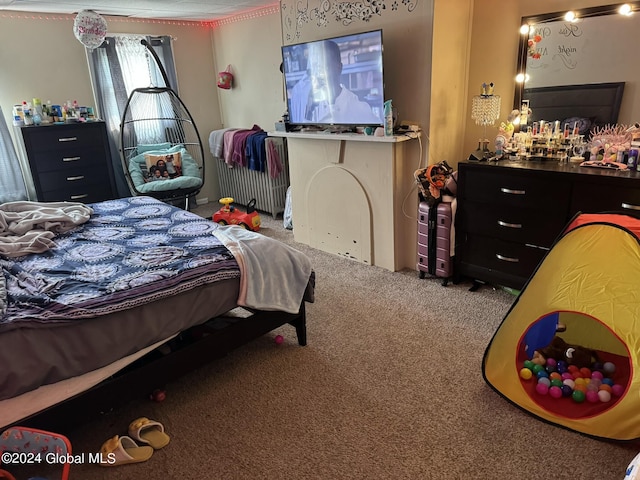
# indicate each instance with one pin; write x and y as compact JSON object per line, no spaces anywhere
{"x":189,"y":350}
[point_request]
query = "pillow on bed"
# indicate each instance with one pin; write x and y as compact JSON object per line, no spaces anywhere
{"x":190,"y":177}
{"x":584,"y":124}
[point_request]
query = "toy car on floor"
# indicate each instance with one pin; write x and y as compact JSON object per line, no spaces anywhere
{"x":230,"y":215}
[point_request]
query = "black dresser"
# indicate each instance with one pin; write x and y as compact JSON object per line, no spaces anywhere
{"x":70,"y":162}
{"x":510,"y":213}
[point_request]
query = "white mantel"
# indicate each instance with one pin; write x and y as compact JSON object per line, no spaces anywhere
{"x":351,"y":196}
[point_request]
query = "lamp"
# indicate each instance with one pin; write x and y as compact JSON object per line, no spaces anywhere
{"x":485,"y":110}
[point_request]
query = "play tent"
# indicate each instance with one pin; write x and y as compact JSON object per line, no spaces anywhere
{"x":576,"y":324}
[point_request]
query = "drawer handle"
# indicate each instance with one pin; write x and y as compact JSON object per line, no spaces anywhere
{"x":78,"y":197}
{"x":628,"y":206}
{"x":70,"y":159}
{"x":513,"y":192}
{"x":72,"y":179}
{"x":68,"y":139}
{"x":509,"y":225}
{"x":507,"y":259}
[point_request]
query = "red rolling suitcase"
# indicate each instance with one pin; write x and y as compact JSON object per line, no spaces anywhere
{"x":434,"y":240}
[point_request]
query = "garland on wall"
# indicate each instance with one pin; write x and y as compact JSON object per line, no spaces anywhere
{"x":297,"y":14}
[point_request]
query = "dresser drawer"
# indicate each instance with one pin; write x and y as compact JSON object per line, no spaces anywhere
{"x":69,"y":158}
{"x":526,"y":226}
{"x":73,"y":177}
{"x":591,"y":198}
{"x":526,"y":191}
{"x":45,"y":139}
{"x":84,"y":193}
{"x":511,"y":258}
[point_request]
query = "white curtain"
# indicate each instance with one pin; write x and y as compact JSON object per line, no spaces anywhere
{"x":12,"y":186}
{"x":120,"y":65}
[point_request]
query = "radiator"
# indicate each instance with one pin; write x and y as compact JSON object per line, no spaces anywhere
{"x":244,"y":184}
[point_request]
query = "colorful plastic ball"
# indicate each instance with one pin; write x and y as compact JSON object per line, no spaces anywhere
{"x":555,"y":376}
{"x":551,"y":362}
{"x":550,"y":368}
{"x":597,"y":374}
{"x":585,"y":372}
{"x":566,"y":391}
{"x":596,"y":366}
{"x":567,"y":375}
{"x":528,"y":364}
{"x":569,"y":382}
{"x":545,"y":381}
{"x":556,"y":382}
{"x":617,"y":390}
{"x":561,"y":366}
{"x":279,"y":339}
{"x":526,"y":374}
{"x":542,"y":389}
{"x":580,"y":381}
{"x":595,"y":381}
{"x":609,"y":367}
{"x":538,"y":368}
{"x":605,"y":387}
{"x":592,"y":387}
{"x":578,"y":396}
{"x":604,"y":396}
{"x":542,"y":374}
{"x":608,"y":381}
{"x":572,"y":368}
{"x":592,"y":397}
{"x":158,"y":395}
{"x":576,"y":375}
{"x":581,"y":388}
{"x":555,"y":392}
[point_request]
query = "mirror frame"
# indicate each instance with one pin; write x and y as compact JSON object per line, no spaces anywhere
{"x":552,"y":17}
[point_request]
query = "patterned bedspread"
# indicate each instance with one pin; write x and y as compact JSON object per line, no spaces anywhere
{"x":132,"y":251}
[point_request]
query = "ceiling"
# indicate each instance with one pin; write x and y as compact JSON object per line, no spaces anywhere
{"x":195,"y":10}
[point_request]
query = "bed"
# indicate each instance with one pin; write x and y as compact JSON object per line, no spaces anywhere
{"x":590,"y":105}
{"x":124,"y":302}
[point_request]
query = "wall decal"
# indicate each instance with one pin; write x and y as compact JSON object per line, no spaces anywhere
{"x":298,"y":15}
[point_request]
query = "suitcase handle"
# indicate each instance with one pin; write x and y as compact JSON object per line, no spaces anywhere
{"x":509,"y":225}
{"x":507,"y":259}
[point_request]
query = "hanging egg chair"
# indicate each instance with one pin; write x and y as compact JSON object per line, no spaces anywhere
{"x":162,"y":154}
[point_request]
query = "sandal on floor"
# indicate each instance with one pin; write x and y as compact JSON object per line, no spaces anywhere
{"x":149,"y":432}
{"x":122,"y":451}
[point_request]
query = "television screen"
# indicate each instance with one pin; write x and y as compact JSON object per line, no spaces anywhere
{"x":336,"y":81}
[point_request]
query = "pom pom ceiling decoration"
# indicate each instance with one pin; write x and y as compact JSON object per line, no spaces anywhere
{"x":90,"y":28}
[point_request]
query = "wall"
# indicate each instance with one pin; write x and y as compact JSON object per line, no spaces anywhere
{"x":252,"y":47}
{"x":449,"y":79}
{"x":45,"y":60}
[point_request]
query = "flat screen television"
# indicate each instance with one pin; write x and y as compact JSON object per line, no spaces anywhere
{"x":335,"y":81}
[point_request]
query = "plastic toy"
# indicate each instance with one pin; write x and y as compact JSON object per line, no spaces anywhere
{"x":229,"y":215}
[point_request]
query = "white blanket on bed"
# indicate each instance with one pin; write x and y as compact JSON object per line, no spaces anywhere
{"x":274,"y":276}
{"x":29,"y":227}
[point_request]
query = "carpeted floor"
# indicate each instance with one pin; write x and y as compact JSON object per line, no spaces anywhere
{"x":389,"y":387}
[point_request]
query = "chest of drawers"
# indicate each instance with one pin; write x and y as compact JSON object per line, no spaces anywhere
{"x":70,"y":162}
{"x":510,"y":214}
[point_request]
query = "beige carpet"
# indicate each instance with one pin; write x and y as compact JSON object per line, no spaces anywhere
{"x":389,"y":387}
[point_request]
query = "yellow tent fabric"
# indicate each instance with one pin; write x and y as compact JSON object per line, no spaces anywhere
{"x":590,"y":279}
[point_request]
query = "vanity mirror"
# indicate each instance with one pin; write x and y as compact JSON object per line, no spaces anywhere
{"x":584,"y":70}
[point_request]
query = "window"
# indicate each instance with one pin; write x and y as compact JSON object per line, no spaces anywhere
{"x":121,"y":64}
